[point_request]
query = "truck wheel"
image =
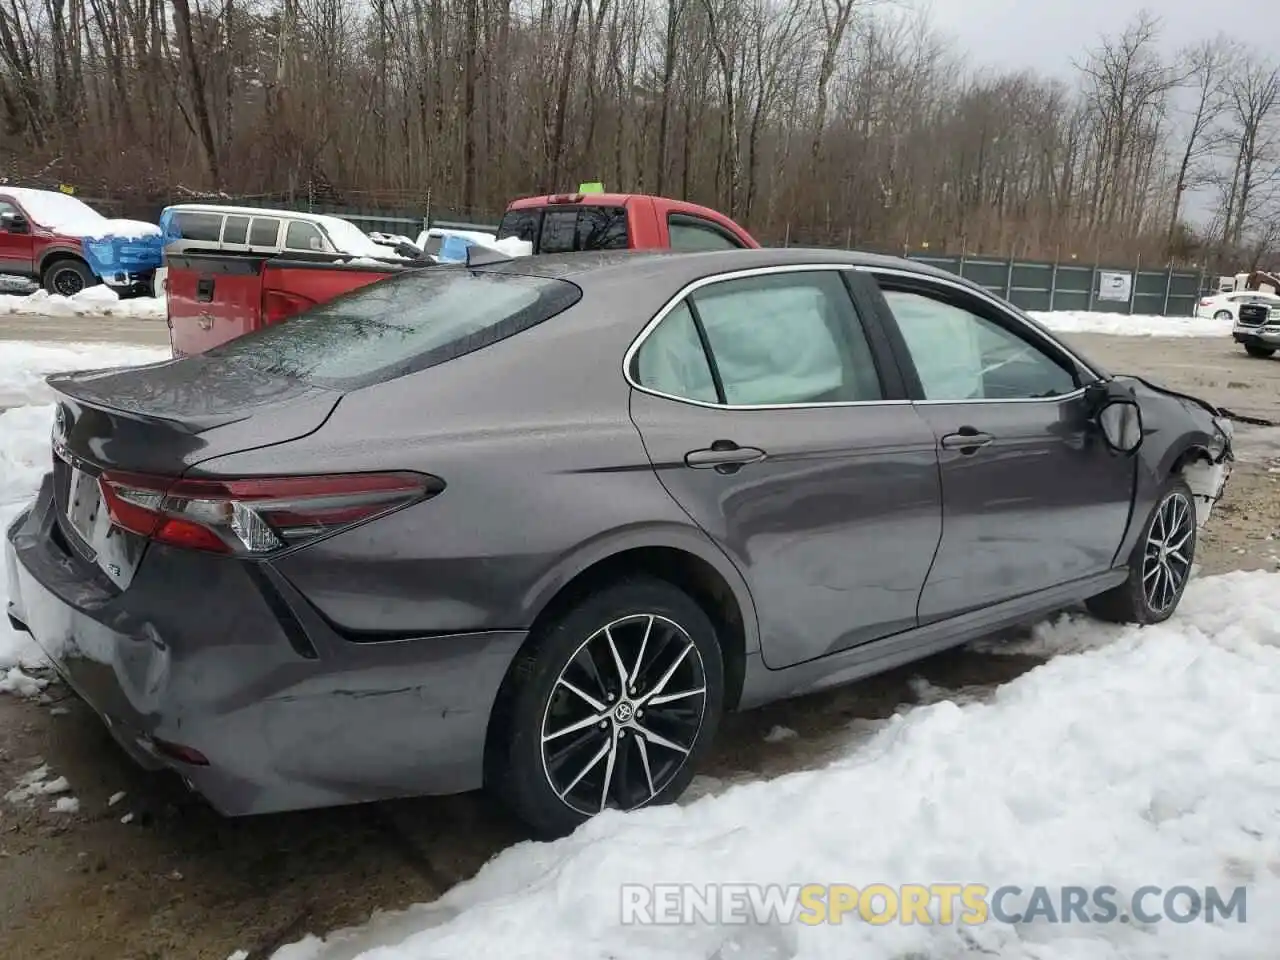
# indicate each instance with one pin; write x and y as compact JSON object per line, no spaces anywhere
{"x":1253,"y":350}
{"x":67,"y":277}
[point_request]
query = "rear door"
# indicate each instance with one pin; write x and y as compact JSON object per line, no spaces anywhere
{"x":777,"y":420}
{"x":1032,"y":496}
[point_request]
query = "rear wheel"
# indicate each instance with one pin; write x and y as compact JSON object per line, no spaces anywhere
{"x":612,"y":706}
{"x":67,"y":277}
{"x":1254,"y":350}
{"x":1160,"y":565}
{"x":1222,"y":315}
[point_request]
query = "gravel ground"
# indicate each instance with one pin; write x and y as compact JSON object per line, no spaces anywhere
{"x":176,"y":881}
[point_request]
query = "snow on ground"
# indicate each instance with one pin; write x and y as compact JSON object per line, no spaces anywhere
{"x":23,"y":367}
{"x":97,"y":301}
{"x":24,"y":458}
{"x":1148,"y":757}
{"x":1137,"y":325}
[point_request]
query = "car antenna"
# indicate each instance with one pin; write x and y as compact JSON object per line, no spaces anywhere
{"x":478,"y":256}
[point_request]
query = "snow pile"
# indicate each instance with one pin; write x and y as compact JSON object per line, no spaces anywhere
{"x":1137,"y":325}
{"x":24,"y":458}
{"x":37,"y":783}
{"x":1149,"y":759}
{"x":95,"y":301}
{"x":23,"y":367}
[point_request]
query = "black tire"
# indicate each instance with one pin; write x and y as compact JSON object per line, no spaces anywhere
{"x":1222,"y":315}
{"x":67,"y":277}
{"x":1253,"y":350}
{"x":643,"y":770}
{"x":1132,"y":601}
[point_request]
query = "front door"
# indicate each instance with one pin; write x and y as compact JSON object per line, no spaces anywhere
{"x":15,"y":248}
{"x":778,"y":423}
{"x":1032,"y":496}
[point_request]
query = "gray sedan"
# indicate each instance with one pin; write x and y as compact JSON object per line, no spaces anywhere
{"x":535,"y":524}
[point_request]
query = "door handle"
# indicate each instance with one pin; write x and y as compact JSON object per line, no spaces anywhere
{"x":204,"y":289}
{"x":967,"y":440}
{"x":723,"y":453}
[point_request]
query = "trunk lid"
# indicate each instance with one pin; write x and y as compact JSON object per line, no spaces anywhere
{"x":161,"y":419}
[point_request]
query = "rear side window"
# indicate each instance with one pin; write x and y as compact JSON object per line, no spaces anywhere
{"x":400,"y":326}
{"x":203,"y":227}
{"x":236,"y":230}
{"x":265,"y":232}
{"x":691,"y":234}
{"x":672,"y":360}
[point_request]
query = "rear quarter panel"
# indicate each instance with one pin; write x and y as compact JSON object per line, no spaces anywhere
{"x":545,"y":474}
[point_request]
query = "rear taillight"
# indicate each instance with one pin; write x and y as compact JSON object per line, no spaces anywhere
{"x":254,"y":516}
{"x":278,"y":305}
{"x":1205,"y":302}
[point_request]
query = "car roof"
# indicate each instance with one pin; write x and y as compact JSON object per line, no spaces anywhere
{"x":584,"y":199}
{"x":686,"y":267}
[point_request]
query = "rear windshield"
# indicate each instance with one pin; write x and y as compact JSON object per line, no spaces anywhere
{"x":399,"y":326}
{"x":567,"y":229}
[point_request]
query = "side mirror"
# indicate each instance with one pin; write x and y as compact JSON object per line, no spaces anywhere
{"x":1117,"y":414}
{"x":14,"y":223}
{"x":1121,"y":425}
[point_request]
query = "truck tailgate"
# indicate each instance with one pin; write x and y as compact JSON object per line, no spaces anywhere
{"x":211,"y":298}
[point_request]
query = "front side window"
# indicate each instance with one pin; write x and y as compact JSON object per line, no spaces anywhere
{"x":303,"y":236}
{"x":960,"y":355}
{"x":690,"y":234}
{"x":398,"y":326}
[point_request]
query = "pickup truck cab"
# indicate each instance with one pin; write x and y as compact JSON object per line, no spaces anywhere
{"x":43,"y":235}
{"x":230,"y":271}
{"x":564,"y":223}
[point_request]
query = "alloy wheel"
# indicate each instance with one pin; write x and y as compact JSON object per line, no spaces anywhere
{"x":1166,"y":565}
{"x":624,"y":714}
{"x":68,"y":282}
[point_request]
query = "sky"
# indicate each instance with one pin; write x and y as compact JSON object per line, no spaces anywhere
{"x":1047,"y":34}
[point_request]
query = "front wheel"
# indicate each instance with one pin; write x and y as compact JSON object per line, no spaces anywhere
{"x":612,"y":706}
{"x":1160,"y":565}
{"x":67,"y":277}
{"x":1253,"y":350}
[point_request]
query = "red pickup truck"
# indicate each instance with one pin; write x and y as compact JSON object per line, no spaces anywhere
{"x":215,"y":294}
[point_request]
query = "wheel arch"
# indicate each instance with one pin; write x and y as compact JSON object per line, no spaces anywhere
{"x":682,"y":556}
{"x":60,"y":252}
